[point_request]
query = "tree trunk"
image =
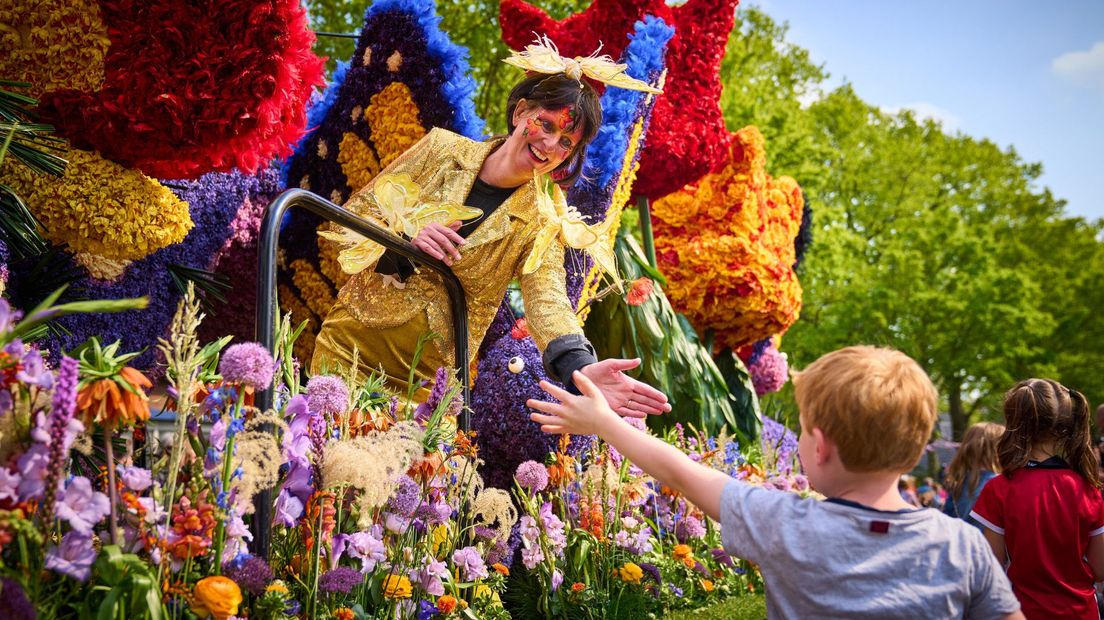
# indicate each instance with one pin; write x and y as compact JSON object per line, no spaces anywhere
{"x":959,"y":417}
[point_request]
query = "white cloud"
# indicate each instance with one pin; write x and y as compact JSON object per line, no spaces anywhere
{"x":924,"y":110}
{"x":1083,"y":68}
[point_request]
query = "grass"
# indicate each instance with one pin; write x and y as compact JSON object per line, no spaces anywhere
{"x":752,"y":607}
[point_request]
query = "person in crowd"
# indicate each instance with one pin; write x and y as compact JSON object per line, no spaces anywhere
{"x":906,"y":486}
{"x":1044,"y":515}
{"x":974,"y":465}
{"x":866,"y":415}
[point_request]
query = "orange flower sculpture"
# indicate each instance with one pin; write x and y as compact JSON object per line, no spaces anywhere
{"x":726,"y":245}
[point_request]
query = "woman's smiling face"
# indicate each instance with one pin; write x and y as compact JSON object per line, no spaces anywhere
{"x":542,"y":139}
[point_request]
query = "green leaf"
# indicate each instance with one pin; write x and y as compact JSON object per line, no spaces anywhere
{"x":208,"y":284}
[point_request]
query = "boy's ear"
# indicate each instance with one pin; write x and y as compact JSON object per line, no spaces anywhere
{"x":823,"y":447}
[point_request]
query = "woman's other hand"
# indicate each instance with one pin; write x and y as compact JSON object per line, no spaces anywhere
{"x":626,"y":396}
{"x":440,"y":241}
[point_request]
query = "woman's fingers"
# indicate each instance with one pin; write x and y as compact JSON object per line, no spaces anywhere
{"x":443,"y":242}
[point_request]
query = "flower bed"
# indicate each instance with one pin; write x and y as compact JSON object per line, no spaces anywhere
{"x":379,"y":507}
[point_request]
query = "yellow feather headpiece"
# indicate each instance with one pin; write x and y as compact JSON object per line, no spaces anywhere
{"x":542,"y":56}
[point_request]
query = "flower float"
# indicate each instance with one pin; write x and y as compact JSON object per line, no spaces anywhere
{"x":726,"y":245}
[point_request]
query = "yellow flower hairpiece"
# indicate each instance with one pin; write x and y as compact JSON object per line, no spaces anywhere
{"x":542,"y":56}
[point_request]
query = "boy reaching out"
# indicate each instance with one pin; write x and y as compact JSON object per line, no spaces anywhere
{"x":866,"y":414}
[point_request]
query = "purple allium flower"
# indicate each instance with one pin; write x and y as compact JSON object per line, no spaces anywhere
{"x":770,"y":372}
{"x":73,"y":557}
{"x":250,"y":572}
{"x":435,"y":513}
{"x":470,"y":562}
{"x":689,"y":527}
{"x":327,"y":395}
{"x":14,"y":602}
{"x":135,"y":478}
{"x":82,"y":507}
{"x":248,"y":363}
{"x":340,"y":580}
{"x":407,"y":496}
{"x":533,"y":476}
{"x":650,"y":570}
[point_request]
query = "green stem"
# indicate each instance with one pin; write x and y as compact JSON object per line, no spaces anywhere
{"x":644,"y":206}
{"x":227,"y":465}
{"x":109,"y":450}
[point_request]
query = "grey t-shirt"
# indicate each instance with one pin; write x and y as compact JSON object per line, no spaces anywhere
{"x":833,"y":559}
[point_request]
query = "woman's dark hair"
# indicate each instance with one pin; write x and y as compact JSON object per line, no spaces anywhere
{"x":553,"y":92}
{"x":1038,"y":410}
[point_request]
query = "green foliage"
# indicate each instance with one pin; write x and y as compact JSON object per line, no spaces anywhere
{"x":940,"y":245}
{"x":736,"y":608}
{"x":672,"y":358}
{"x":124,"y":586}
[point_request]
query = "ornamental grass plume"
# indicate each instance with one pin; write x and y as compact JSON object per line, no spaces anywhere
{"x":493,"y":508}
{"x":258,"y":457}
{"x":373,"y":464}
{"x":249,"y":364}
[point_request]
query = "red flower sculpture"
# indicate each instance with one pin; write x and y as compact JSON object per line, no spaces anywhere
{"x":687,"y":137}
{"x":194,"y":86}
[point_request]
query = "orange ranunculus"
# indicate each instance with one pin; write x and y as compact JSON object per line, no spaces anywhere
{"x":216,"y":597}
{"x":501,"y":569}
{"x":578,"y":586}
{"x":707,"y":585}
{"x":343,"y":613}
{"x":110,"y":404}
{"x":684,"y":554}
{"x":396,"y":586}
{"x":446,"y":603}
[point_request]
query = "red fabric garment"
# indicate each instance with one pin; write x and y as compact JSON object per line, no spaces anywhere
{"x":1047,"y":514}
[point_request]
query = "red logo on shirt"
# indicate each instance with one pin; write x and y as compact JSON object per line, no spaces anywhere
{"x":879,"y":527}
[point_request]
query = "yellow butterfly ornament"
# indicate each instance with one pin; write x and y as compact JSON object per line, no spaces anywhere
{"x":394,"y":203}
{"x":563,"y":221}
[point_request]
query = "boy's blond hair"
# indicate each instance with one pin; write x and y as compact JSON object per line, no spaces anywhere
{"x":877,"y":405}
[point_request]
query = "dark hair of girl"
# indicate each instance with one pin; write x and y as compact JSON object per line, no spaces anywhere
{"x":1038,"y":410}
{"x":553,"y":92}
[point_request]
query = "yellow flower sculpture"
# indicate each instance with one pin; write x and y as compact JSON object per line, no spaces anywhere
{"x":53,"y":44}
{"x":100,"y":207}
{"x":726,"y":246}
{"x":395,"y":202}
{"x":392,"y":116}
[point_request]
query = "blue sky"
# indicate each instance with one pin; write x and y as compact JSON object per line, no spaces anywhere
{"x":1024,"y":74}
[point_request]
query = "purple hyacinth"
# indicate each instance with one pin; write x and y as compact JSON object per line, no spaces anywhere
{"x":533,"y":476}
{"x":250,"y":572}
{"x":14,"y":602}
{"x":406,"y":499}
{"x":248,"y":363}
{"x":340,"y":580}
{"x":327,"y":395}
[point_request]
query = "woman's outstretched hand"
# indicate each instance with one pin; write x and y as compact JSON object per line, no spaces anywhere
{"x":626,"y":396}
{"x":440,"y":241}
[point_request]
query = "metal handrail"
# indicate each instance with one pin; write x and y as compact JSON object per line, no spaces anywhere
{"x":268,"y":310}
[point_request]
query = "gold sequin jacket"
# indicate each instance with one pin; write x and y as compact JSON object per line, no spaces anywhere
{"x":445,"y":165}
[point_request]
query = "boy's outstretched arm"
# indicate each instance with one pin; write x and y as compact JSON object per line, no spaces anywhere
{"x":590,"y":414}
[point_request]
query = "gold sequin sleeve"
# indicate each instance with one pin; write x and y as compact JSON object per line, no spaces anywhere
{"x":547,"y":310}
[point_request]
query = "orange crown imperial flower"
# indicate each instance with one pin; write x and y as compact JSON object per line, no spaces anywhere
{"x":110,"y":393}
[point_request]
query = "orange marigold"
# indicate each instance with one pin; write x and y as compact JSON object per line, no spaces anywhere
{"x":216,"y":597}
{"x":446,"y":604}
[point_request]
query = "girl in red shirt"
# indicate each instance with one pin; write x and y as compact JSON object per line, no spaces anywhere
{"x":1044,"y":516}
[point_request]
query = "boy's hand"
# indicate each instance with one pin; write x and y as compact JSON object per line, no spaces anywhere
{"x":577,"y":415}
{"x":625,"y":395}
